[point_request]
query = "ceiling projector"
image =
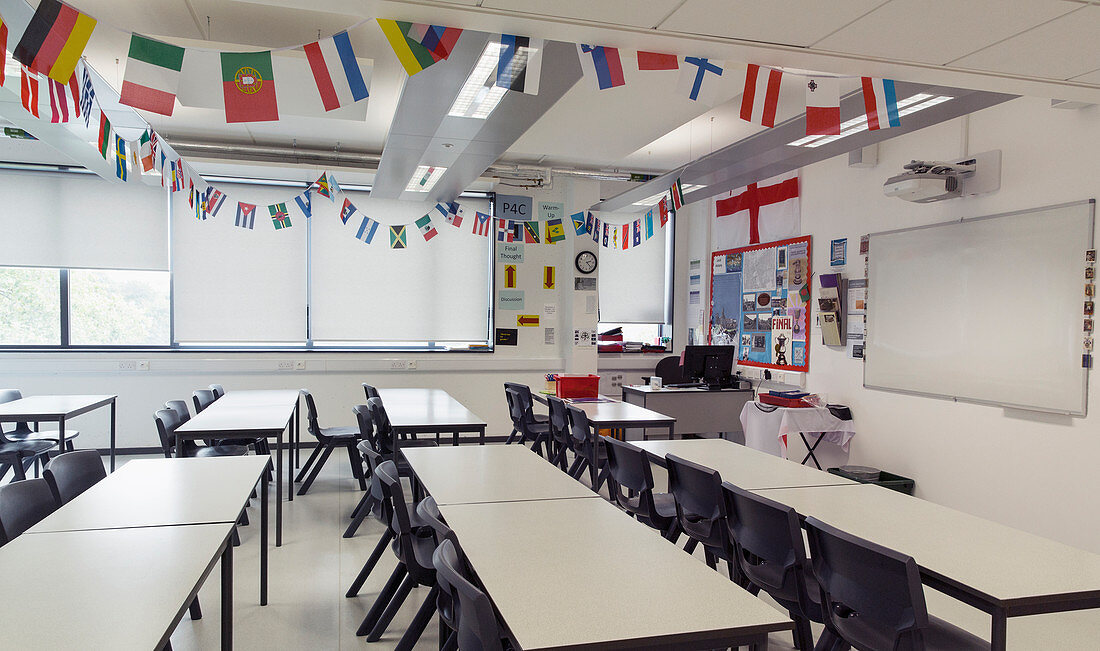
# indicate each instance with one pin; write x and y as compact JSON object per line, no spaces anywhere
{"x":928,"y":181}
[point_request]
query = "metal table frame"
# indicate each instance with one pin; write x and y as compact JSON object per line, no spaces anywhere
{"x":61,"y":417}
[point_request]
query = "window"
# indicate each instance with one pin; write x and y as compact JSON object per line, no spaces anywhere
{"x":30,"y":307}
{"x":646,"y":333}
{"x":636,"y":286}
{"x":119,"y":308}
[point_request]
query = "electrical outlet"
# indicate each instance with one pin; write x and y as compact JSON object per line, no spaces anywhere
{"x":398,"y":365}
{"x":129,"y":365}
{"x":411,"y":365}
{"x":143,"y":365}
{"x":300,"y":365}
{"x":286,"y":366}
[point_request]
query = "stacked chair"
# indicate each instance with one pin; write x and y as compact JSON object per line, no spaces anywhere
{"x":530,"y":427}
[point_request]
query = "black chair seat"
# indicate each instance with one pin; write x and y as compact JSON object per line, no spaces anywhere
{"x":221,"y":451}
{"x":943,"y":636}
{"x":46,"y":435}
{"x":27,"y":448}
{"x":665,"y":504}
{"x":340,"y":433}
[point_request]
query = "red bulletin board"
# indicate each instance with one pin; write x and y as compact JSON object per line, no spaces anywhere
{"x":760,"y":297}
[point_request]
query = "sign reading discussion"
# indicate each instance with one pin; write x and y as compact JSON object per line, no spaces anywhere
{"x":511,"y":206}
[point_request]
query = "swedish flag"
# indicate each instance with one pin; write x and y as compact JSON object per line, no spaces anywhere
{"x":122,"y":164}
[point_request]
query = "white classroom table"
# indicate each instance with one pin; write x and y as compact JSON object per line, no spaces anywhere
{"x":571,"y":574}
{"x":490,"y":473}
{"x":997,"y":569}
{"x":251,"y":414}
{"x":742,"y":466}
{"x":429,"y":411}
{"x":169,"y":492}
{"x":58,"y":409}
{"x":696,"y":410}
{"x":618,"y":414}
{"x":110,"y":588}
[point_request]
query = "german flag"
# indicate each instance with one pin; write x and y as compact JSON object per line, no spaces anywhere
{"x":54,"y":40}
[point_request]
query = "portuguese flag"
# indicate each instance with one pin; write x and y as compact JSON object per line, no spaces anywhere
{"x":248,"y":84}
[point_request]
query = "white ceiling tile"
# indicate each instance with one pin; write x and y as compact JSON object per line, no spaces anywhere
{"x":940,"y":31}
{"x":1061,"y":49}
{"x":635,"y":13}
{"x":1089,"y":78}
{"x":790,"y":22}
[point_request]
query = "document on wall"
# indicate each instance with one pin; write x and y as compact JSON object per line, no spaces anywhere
{"x":548,"y":336}
{"x":857,"y":296}
{"x":857,"y":333}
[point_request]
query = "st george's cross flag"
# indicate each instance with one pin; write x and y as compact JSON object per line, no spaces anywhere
{"x":761,"y":96}
{"x":426,"y":228}
{"x":822,"y":106}
{"x":305,"y":203}
{"x":246,"y":215}
{"x":248,"y":87}
{"x":579,"y":224}
{"x":519,"y":64}
{"x":280,"y":217}
{"x":603,"y":64}
{"x":152,"y":75}
{"x":759,"y":212}
{"x":482,"y":224}
{"x":366,"y":230}
{"x":336,"y":71}
{"x":880,"y":102}
{"x":346,"y":210}
{"x":54,"y":40}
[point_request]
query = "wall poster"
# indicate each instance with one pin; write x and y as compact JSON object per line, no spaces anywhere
{"x":759,"y":302}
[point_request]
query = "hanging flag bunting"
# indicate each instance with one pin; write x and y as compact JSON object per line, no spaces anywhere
{"x":615,"y":237}
{"x":591,"y":224}
{"x":677,"y":190}
{"x":177,"y":175}
{"x":28,"y":91}
{"x":823,"y":106}
{"x":152,"y":75}
{"x":336,"y":71}
{"x":305,"y":203}
{"x":517,"y":230}
{"x":121,"y":163}
{"x":502,"y":231}
{"x":191,"y":193}
{"x":519,"y":65}
{"x":649,"y":224}
{"x":579,"y":224}
{"x":761,"y":96}
{"x":626,"y":236}
{"x":595,"y":230}
{"x":200,"y":205}
{"x":246,"y":215}
{"x":606,"y":233}
{"x":426,"y":228}
{"x":638,"y":232}
{"x":59,"y":104}
{"x":692,"y":78}
{"x":880,"y":102}
{"x":248,"y":84}
{"x":74,"y":91}
{"x":346,"y":211}
{"x":414,"y":53}
{"x":145,"y":148}
{"x":323,"y":187}
{"x":87,"y":94}
{"x":104,"y":134}
{"x":3,"y":51}
{"x":555,"y":230}
{"x":366,"y":230}
{"x":657,"y":61}
{"x":458,"y":214}
{"x":397,"y":237}
{"x":333,"y":186}
{"x":531,"y":232}
{"x":482,"y":224}
{"x":663,"y":205}
{"x":55,"y":38}
{"x":214,"y":200}
{"x":450,"y":213}
{"x":280,"y":217}
{"x":603,"y":64}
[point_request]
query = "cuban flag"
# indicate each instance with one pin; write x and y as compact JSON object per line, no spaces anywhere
{"x":336,"y":71}
{"x":761,"y":96}
{"x":823,"y":106}
{"x":881,"y":103}
{"x":346,"y":211}
{"x":246,"y":215}
{"x":482,"y":224}
{"x":602,"y":63}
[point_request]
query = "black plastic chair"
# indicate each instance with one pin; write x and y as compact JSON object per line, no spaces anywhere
{"x":217,"y":390}
{"x":202,"y":398}
{"x":22,"y":505}
{"x":669,"y":370}
{"x":591,"y":454}
{"x":22,"y":430}
{"x":21,"y":455}
{"x":701,"y":510}
{"x":873,"y":596}
{"x":370,"y":391}
{"x":476,"y":625}
{"x":527,"y":404}
{"x":523,"y":420}
{"x":562,"y":442}
{"x":168,"y":420}
{"x":72,"y":473}
{"x":628,"y":467}
{"x":767,"y":542}
{"x":328,"y":439}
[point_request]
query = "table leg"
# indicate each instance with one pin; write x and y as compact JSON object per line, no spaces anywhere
{"x":179,"y":446}
{"x":454,"y":439}
{"x":297,"y":436}
{"x":263,"y":537}
{"x":61,"y":435}
{"x":290,"y":465}
{"x":279,"y":490}
{"x":671,"y":431}
{"x":999,"y":635}
{"x":113,"y":435}
{"x":227,"y":597}
{"x":481,"y":436}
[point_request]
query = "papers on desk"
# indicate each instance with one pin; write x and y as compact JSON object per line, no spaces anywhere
{"x":587,"y":401}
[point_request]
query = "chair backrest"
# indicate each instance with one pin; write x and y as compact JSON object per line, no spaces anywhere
{"x":559,"y":419}
{"x":383,"y":432}
{"x":313,"y":424}
{"x":202,"y":398}
{"x":768,"y":540}
{"x":699,"y":506}
{"x":669,"y":370}
{"x":72,"y":473}
{"x":218,"y":390}
{"x":871,"y":595}
{"x":428,"y":511}
{"x":478,"y":627}
{"x":579,"y":428}
{"x":366,"y":426}
{"x":167,"y":420}
{"x":401,"y":523}
{"x":370,"y":391}
{"x":181,"y":409}
{"x":10,"y":395}
{"x":22,"y":505}
{"x":521,"y":394}
{"x":629,"y":468}
{"x":515,"y":409}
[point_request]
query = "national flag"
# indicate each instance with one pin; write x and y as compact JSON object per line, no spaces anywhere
{"x":191,"y":193}
{"x":517,"y":230}
{"x":519,"y":65}
{"x":426,"y":228}
{"x":426,"y":45}
{"x":248,"y":84}
{"x":397,"y":237}
{"x":74,"y":91}
{"x":152,"y":75}
{"x":692,"y":78}
{"x":366,"y":230}
{"x":606,"y":230}
{"x":449,"y":212}
{"x":591,"y":224}
{"x":579,"y":224}
{"x":761,"y":96}
{"x":502,"y":231}
{"x":54,"y":40}
{"x":677,"y":191}
{"x":280,"y":217}
{"x":531,"y":232}
{"x":555,"y":230}
{"x":163,"y":174}
{"x":602,"y":63}
{"x":59,"y":102}
{"x":626,"y":236}
{"x":104,"y":134}
{"x":663,"y":205}
{"x":145,"y":151}
{"x":214,"y":200}
{"x":122,"y":164}
{"x":638,"y":231}
{"x":333,"y":186}
{"x":87,"y":94}
{"x":457,"y":215}
{"x":200,"y":204}
{"x":649,"y":224}
{"x":3,"y":50}
{"x":246,"y":215}
{"x":336,"y":71}
{"x":305,"y":203}
{"x":823,"y":106}
{"x":28,"y":91}
{"x":595,"y":230}
{"x":615,"y":237}
{"x":346,"y":210}
{"x":880,"y":102}
{"x":760,"y":212}
{"x":177,"y":175}
{"x":482,"y":224}
{"x":657,"y":61}
{"x":323,"y":187}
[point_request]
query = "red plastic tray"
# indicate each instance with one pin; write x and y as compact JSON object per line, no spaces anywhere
{"x":578,"y":386}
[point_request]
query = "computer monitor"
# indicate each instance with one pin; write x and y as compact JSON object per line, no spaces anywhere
{"x":710,"y":364}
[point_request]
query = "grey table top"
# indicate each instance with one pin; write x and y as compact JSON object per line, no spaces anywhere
{"x":52,"y":406}
{"x":621,"y":412}
{"x":261,"y":412}
{"x":427,"y":408}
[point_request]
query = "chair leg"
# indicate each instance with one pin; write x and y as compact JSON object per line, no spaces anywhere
{"x":399,"y":597}
{"x":690,"y":546}
{"x":512,"y":437}
{"x":451,"y":644}
{"x":400,"y":573}
{"x":829,"y":641}
{"x":803,"y":635}
{"x":419,"y":622}
{"x":316,"y":470}
{"x":357,"y":466}
{"x":361,"y":513}
{"x":309,"y":462}
{"x":368,"y":567}
{"x":20,"y":470}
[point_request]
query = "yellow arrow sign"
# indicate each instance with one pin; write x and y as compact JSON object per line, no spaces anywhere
{"x":527,"y":320}
{"x":548,"y":277}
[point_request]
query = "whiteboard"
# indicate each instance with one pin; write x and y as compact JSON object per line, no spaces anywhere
{"x":987,"y":310}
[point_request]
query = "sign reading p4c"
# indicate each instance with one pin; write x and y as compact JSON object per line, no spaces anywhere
{"x":511,"y":206}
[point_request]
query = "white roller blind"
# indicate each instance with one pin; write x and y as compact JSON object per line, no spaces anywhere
{"x":234,"y":285}
{"x":632,"y":282}
{"x":430,"y":291}
{"x":66,"y":219}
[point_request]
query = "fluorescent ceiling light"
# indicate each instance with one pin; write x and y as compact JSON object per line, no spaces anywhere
{"x":424,"y":178}
{"x":479,"y":96}
{"x":649,"y":201}
{"x":907,"y":106}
